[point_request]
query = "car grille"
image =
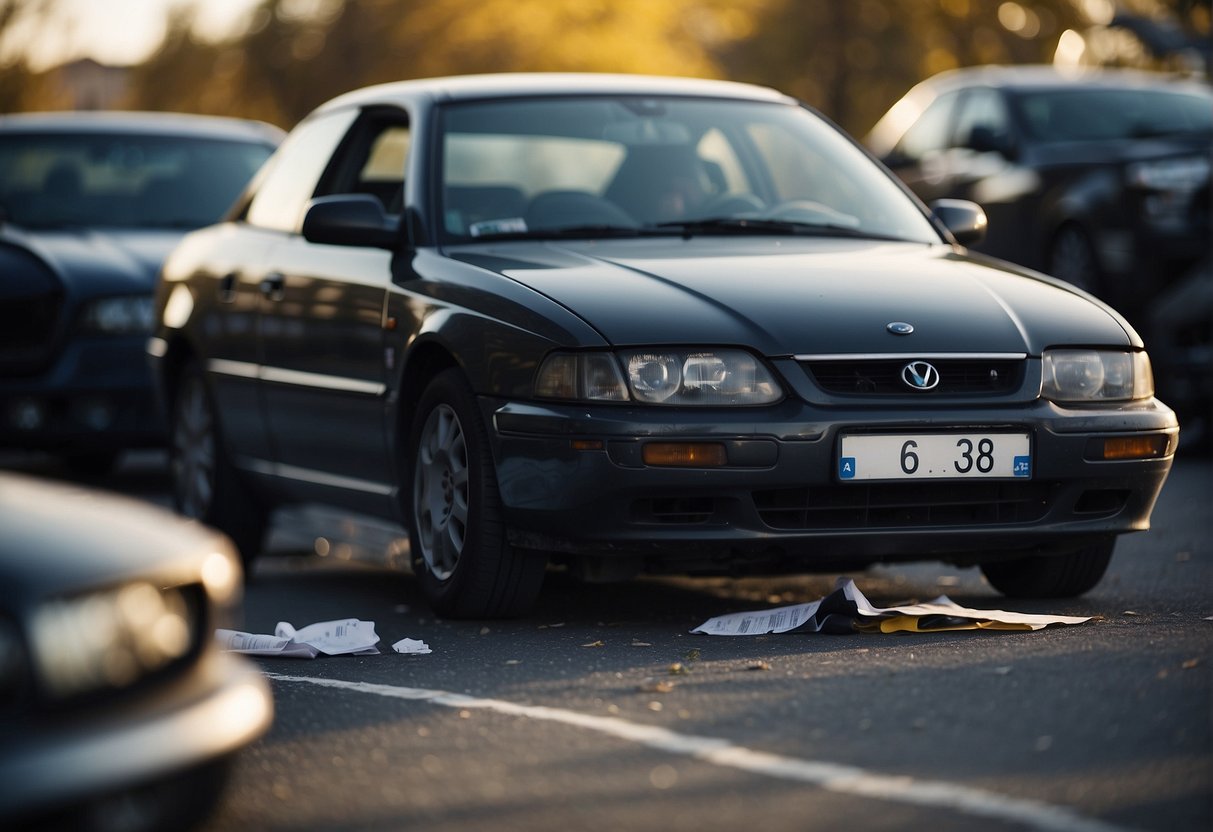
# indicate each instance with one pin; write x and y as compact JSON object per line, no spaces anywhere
{"x":30,"y":303}
{"x":916,"y":505}
{"x":882,"y":377}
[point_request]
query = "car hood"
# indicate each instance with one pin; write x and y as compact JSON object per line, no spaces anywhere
{"x":61,"y":539}
{"x":793,"y":296}
{"x":94,"y":262}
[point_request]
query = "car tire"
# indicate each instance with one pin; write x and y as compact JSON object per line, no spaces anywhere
{"x":206,"y":486}
{"x":466,"y":567}
{"x":1051,"y":576}
{"x":1072,"y":258}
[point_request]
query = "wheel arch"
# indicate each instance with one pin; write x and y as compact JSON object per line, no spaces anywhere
{"x":424,"y":361}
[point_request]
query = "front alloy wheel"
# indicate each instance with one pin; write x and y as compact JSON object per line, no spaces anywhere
{"x":441,"y":488}
{"x":462,"y":559}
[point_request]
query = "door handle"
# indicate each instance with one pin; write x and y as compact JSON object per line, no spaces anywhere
{"x":273,"y":286}
{"x":227,"y":288}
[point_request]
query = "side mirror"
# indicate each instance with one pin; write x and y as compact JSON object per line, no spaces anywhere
{"x":348,"y":220}
{"x":966,"y":220}
{"x":985,"y":139}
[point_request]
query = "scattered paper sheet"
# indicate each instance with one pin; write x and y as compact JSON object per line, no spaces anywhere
{"x":846,"y":610}
{"x":412,"y":646}
{"x":347,"y":636}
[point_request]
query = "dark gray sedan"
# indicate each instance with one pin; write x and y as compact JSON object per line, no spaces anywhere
{"x":631,"y":324}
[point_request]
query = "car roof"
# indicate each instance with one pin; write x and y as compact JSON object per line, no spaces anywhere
{"x":183,"y":125}
{"x":533,"y":84}
{"x":1044,"y":76}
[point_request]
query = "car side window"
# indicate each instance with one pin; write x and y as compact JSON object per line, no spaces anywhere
{"x":372,"y":160}
{"x":292,"y":174}
{"x":929,"y":134}
{"x":982,"y":122}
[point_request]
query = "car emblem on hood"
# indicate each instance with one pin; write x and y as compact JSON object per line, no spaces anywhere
{"x":900,"y":328}
{"x":920,"y":375}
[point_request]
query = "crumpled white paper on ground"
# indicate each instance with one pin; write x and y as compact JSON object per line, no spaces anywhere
{"x":847,"y":610}
{"x":347,"y":636}
{"x":412,"y":646}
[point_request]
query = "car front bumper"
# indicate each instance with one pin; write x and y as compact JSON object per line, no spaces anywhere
{"x":96,"y":396}
{"x":223,"y":704}
{"x":572,"y":480}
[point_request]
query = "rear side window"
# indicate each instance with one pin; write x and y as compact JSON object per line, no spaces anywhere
{"x":930,"y":133}
{"x":1097,"y":114}
{"x":292,"y":174}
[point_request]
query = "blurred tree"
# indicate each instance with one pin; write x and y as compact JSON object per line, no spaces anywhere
{"x":14,"y":74}
{"x":853,"y":60}
{"x":297,"y":54}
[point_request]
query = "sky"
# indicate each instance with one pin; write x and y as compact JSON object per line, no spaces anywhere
{"x":118,"y":32}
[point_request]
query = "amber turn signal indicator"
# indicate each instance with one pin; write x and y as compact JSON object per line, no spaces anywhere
{"x":685,"y":454}
{"x":1135,"y":447}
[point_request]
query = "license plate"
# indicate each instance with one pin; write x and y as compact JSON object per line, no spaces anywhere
{"x":923,"y":456}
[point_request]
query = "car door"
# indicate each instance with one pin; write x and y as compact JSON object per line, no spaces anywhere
{"x":233,"y":334}
{"x":324,"y":363}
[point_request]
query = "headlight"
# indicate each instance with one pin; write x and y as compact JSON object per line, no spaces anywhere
{"x":1096,"y":375}
{"x":1188,"y":173}
{"x":110,"y":639}
{"x":702,"y":377}
{"x":132,"y":314}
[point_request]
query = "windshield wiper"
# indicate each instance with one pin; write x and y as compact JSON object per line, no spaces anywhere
{"x":762,"y":225}
{"x":569,"y":232}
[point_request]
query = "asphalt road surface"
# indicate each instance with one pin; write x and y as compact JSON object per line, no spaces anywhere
{"x":600,"y":711}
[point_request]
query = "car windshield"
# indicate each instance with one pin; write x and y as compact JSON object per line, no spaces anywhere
{"x":631,"y":166}
{"x":54,"y":180}
{"x":1100,"y":114}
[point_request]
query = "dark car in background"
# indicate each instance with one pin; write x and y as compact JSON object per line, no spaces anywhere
{"x":1097,"y":176}
{"x":641,"y":324}
{"x":117,"y":709}
{"x":90,"y":204}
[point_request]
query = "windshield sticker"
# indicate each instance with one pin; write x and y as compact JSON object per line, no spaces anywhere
{"x":509,"y":225}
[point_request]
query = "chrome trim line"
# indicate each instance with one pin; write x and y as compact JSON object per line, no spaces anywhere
{"x":299,"y":378}
{"x":277,"y":375}
{"x":910,"y":356}
{"x":291,"y":472}
{"x":240,"y":369}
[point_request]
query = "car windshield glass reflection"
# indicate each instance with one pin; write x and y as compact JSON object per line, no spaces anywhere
{"x":609,"y":167}
{"x":1093,"y":114}
{"x":115,"y":181}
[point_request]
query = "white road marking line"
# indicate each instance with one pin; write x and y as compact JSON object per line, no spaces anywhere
{"x":832,"y":777}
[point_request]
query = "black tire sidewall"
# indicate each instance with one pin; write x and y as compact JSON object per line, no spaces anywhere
{"x":233,"y":508}
{"x":484,"y":543}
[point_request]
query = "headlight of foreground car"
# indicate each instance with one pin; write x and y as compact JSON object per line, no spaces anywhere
{"x":1187,"y":173}
{"x":1096,"y":375}
{"x":111,"y":639}
{"x":701,"y":376}
{"x":128,"y":315}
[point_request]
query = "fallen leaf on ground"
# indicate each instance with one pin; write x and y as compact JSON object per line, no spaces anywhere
{"x":678,"y":669}
{"x":656,"y":686}
{"x":759,"y":665}
{"x":595,"y":644}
